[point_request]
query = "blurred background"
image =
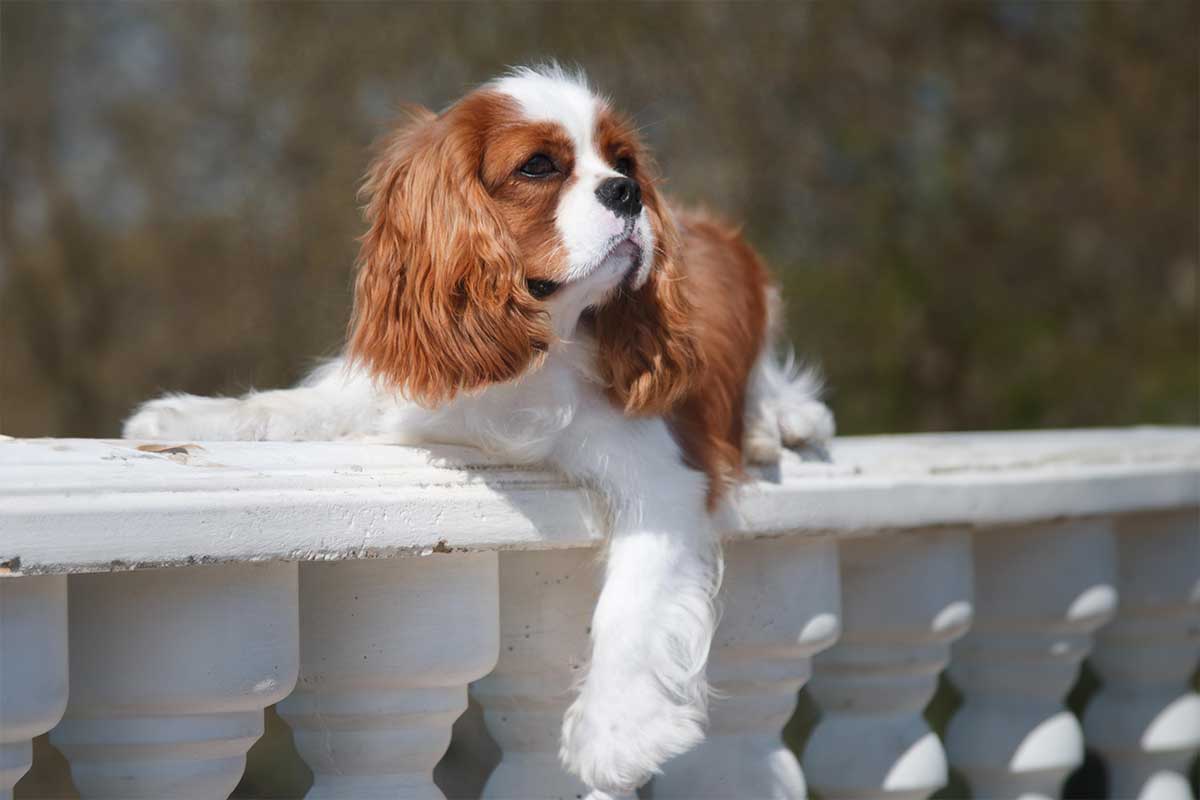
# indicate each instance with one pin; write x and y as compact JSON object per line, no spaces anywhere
{"x":984,"y":214}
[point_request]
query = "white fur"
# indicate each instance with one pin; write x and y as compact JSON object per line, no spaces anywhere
{"x":644,"y":697}
{"x":783,"y":409}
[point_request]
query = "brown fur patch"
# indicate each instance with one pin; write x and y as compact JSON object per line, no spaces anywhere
{"x":647,"y":344}
{"x":727,"y":286}
{"x":684,"y":345}
{"x":441,"y":304}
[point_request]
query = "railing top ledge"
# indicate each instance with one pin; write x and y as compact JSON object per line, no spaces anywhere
{"x":73,"y":505}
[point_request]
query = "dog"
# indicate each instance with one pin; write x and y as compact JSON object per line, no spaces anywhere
{"x":523,"y":287}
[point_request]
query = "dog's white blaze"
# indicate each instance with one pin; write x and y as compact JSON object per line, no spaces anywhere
{"x":553,"y":95}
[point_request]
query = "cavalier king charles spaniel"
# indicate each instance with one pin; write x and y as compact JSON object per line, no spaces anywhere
{"x":524,"y":288}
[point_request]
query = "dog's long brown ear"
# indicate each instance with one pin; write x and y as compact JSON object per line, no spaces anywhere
{"x":440,"y":303}
{"x":647,"y":350}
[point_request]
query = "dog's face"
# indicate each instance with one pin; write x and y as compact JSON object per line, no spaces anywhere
{"x":574,"y":185}
{"x":495,"y":225}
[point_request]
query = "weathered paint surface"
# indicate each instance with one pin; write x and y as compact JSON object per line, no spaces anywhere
{"x":70,"y":505}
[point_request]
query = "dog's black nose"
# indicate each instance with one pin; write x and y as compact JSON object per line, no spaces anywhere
{"x":621,"y":195}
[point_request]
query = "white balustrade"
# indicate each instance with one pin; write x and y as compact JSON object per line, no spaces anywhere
{"x":779,"y":607}
{"x":1040,"y":593}
{"x":905,"y":598}
{"x":170,"y":672}
{"x":1145,"y":720}
{"x":33,"y":668}
{"x":546,"y":602}
{"x":165,"y":596}
{"x":387,"y":648}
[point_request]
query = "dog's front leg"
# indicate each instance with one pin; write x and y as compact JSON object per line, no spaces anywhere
{"x":333,"y":402}
{"x":644,"y":698}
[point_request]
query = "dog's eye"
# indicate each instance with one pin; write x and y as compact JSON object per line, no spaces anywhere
{"x":541,"y":289}
{"x":624,"y":166}
{"x":539,"y":166}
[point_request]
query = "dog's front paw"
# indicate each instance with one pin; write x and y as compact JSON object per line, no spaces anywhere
{"x":155,"y":419}
{"x":179,"y":416}
{"x":616,"y":741}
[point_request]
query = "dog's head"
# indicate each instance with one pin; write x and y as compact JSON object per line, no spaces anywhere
{"x":497,"y":224}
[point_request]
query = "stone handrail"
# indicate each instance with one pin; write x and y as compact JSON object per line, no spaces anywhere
{"x":154,"y":598}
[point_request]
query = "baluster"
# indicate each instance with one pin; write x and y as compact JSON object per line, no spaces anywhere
{"x":780,"y":604}
{"x":904,"y":599}
{"x":546,"y":603}
{"x":1145,"y":720}
{"x":387,"y":648}
{"x":170,"y":672}
{"x":33,"y":668}
{"x":1040,"y":592}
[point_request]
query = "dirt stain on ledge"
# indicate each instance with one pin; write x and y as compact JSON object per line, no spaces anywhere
{"x":180,"y":453}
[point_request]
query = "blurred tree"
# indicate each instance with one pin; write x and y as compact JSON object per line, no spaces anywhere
{"x":984,"y":215}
